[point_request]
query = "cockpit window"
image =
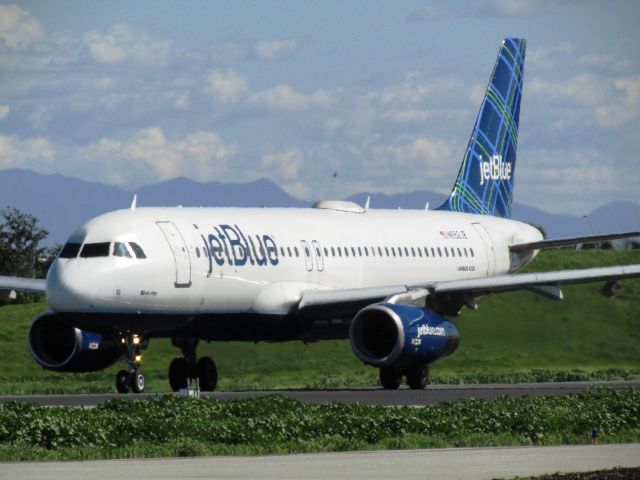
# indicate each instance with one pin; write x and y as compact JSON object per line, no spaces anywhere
{"x":90,"y":250}
{"x":120,"y":250}
{"x":70,"y":250}
{"x":137,"y":250}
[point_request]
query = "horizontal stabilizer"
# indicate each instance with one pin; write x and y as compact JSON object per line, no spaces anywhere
{"x":565,"y":242}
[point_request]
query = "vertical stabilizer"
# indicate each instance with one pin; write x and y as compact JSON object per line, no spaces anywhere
{"x":485,"y":181}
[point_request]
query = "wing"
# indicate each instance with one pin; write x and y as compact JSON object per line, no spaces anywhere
{"x":544,"y":283}
{"x":33,"y":285}
{"x":565,"y":242}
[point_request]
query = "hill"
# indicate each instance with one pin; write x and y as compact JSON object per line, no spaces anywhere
{"x":510,"y":333}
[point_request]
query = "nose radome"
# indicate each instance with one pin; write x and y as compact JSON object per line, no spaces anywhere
{"x":68,"y":288}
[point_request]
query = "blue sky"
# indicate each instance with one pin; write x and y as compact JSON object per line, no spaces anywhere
{"x":384,"y":93}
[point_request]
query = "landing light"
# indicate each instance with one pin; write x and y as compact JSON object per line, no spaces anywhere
{"x":136,"y":340}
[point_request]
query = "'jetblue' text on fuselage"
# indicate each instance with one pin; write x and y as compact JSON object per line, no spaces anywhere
{"x":229,"y":244}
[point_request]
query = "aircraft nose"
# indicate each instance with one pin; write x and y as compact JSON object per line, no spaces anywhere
{"x":68,"y":288}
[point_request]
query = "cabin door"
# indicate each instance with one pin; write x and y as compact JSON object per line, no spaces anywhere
{"x":180,"y":253}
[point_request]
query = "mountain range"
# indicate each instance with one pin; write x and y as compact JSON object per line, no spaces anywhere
{"x":63,"y":203}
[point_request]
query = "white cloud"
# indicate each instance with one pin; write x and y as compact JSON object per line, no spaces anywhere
{"x":198,"y":153}
{"x":122,"y":44}
{"x":18,"y":29}
{"x":583,"y":89}
{"x":546,"y":58}
{"x":275,"y":49}
{"x":226,"y":86}
{"x":625,"y":107}
{"x":284,"y":164}
{"x":36,"y":153}
{"x":4,"y":111}
{"x":284,"y":98}
{"x":589,"y":100}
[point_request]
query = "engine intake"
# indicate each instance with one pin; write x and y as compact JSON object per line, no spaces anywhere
{"x":61,"y":348}
{"x":387,"y":334}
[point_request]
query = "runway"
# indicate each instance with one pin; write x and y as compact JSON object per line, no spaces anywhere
{"x":431,"y":395}
{"x":443,"y":464}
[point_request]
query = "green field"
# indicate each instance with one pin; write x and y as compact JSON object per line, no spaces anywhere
{"x":511,"y":337}
{"x":167,"y":425}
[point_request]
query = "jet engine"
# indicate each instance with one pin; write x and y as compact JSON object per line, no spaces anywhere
{"x":59,"y":347}
{"x":396,"y":335}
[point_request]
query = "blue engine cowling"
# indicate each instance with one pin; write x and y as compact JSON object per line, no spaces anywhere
{"x":388,"y":334}
{"x":61,"y":348}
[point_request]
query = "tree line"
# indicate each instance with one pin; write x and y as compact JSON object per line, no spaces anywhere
{"x":21,"y":253}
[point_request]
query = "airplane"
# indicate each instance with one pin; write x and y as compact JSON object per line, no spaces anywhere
{"x":391,"y":281}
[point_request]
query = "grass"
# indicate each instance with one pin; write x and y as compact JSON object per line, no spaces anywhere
{"x":167,"y":425}
{"x":508,"y":338}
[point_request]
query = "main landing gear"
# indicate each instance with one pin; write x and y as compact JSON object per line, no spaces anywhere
{"x":183,"y":370}
{"x":131,"y":379}
{"x":417,"y":377}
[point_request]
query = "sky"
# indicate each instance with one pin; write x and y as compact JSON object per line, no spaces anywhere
{"x":383,"y":93}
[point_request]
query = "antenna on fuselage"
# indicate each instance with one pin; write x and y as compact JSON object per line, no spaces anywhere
{"x":134,"y":202}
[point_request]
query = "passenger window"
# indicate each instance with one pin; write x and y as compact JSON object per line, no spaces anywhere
{"x":446,"y":252}
{"x":386,"y":249}
{"x":326,"y":252}
{"x":137,"y":250}
{"x":433,"y":252}
{"x":393,"y":251}
{"x":400,"y":251}
{"x":379,"y":251}
{"x":366,"y":251}
{"x":282,"y":251}
{"x":413,"y":252}
{"x":359,"y":252}
{"x":439,"y":252}
{"x":406,"y":252}
{"x":419,"y":252}
{"x":426,"y":252}
{"x":465,"y":252}
{"x":339,"y":251}
{"x":333,"y":252}
{"x":471,"y":250}
{"x":197,"y":252}
{"x":346,"y":251}
{"x":289,"y":251}
{"x":70,"y":250}
{"x":459,"y":252}
{"x":295,"y":249}
{"x":90,"y":250}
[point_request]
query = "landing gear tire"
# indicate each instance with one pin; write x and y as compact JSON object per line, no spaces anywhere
{"x":137,"y":382}
{"x":418,"y":377}
{"x":390,"y":378}
{"x":207,"y":374}
{"x":178,"y":374}
{"x":122,"y":381}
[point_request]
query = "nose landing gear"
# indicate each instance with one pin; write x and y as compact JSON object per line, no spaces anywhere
{"x":131,"y":379}
{"x":183,"y":370}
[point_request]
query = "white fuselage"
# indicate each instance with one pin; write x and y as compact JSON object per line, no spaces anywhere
{"x":259,"y":261}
